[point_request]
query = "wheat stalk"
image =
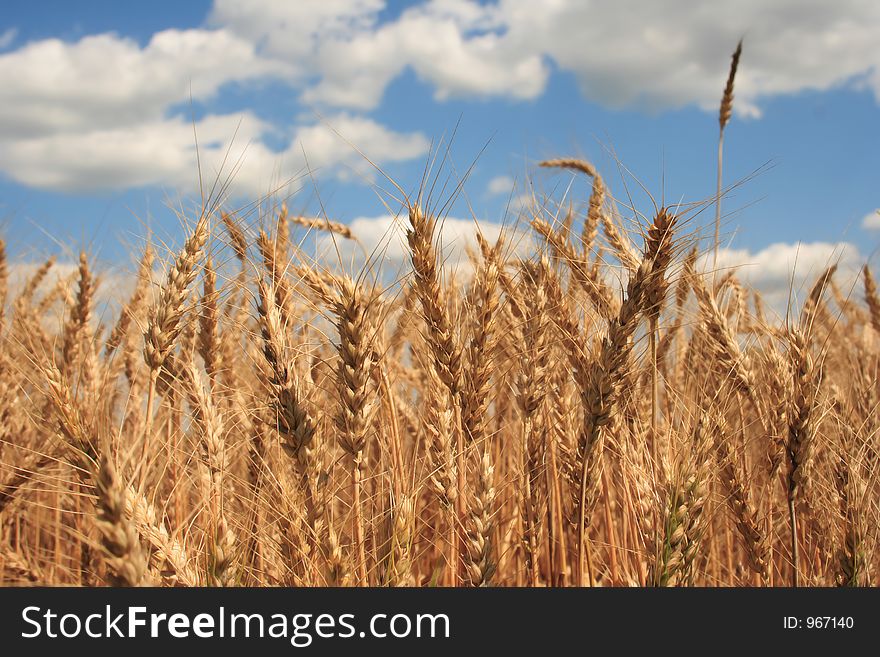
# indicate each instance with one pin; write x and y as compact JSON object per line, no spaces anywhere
{"x":724,"y":114}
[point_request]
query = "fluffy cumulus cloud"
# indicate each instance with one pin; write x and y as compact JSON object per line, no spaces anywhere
{"x":105,"y":111}
{"x":99,"y":114}
{"x":787,"y":270}
{"x":351,"y":56}
{"x":871,"y":221}
{"x":144,"y":153}
{"x":293,"y":31}
{"x":107,"y":81}
{"x":627,"y":53}
{"x":453,"y":45}
{"x":164,"y":152}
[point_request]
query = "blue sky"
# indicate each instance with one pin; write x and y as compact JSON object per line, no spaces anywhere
{"x":96,"y":125}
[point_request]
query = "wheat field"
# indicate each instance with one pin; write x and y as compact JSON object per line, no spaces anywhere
{"x":602,"y":410}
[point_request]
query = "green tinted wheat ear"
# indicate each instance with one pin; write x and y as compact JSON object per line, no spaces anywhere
{"x":685,"y":523}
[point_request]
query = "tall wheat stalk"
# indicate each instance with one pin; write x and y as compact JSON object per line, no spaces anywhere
{"x":724,"y":114}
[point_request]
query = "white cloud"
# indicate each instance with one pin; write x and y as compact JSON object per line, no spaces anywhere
{"x":628,"y":53}
{"x":93,"y":115}
{"x":99,"y":114}
{"x":154,"y":152}
{"x":107,"y":81}
{"x":871,"y":221}
{"x":500,"y":185}
{"x":164,"y":153}
{"x":383,"y":238}
{"x":7,"y":37}
{"x":292,"y":31}
{"x":330,"y":143}
{"x":70,"y":113}
{"x":452,"y":45}
{"x":782,"y":267}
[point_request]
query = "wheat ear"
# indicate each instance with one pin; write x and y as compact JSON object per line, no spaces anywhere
{"x":604,"y":379}
{"x":724,"y":114}
{"x":357,"y":402}
{"x":121,"y":541}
